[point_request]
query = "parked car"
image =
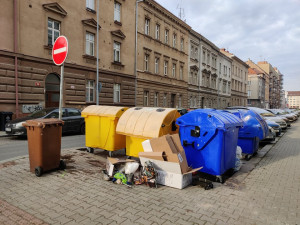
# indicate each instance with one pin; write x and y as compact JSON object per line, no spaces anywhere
{"x":71,"y":116}
{"x":281,"y":113}
{"x":276,"y":127}
{"x":271,"y":135}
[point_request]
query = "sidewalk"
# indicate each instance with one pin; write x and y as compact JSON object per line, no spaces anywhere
{"x":3,"y":134}
{"x":269,"y":194}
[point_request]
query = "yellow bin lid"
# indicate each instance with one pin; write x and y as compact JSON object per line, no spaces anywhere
{"x":147,"y":122}
{"x":102,"y":110}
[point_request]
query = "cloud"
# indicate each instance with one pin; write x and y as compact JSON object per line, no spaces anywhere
{"x":260,"y":30}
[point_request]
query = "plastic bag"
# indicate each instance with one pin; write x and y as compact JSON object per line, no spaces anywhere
{"x":238,"y":157}
{"x":131,"y":167}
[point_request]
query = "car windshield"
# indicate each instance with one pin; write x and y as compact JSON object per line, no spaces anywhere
{"x":40,"y":113}
{"x":267,"y":114}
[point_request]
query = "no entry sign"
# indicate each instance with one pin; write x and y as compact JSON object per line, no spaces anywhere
{"x":60,"y":50}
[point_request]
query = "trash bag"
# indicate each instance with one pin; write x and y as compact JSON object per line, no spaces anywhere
{"x":120,"y":176}
{"x":238,"y":159}
{"x":131,"y":167}
{"x":148,"y":175}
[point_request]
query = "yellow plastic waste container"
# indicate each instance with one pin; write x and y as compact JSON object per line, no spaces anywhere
{"x":100,"y":127}
{"x":140,"y":124}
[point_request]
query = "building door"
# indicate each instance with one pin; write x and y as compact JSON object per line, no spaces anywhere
{"x":52,"y":90}
{"x":202,"y":102}
{"x":173,"y":100}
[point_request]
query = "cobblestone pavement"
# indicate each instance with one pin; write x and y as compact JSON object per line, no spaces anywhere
{"x":268,"y":194}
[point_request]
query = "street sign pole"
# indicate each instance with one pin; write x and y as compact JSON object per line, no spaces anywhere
{"x":61,"y":91}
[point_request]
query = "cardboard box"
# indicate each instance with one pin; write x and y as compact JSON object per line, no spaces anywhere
{"x":111,"y":163}
{"x":171,"y":145}
{"x":169,"y":173}
{"x":153,"y":155}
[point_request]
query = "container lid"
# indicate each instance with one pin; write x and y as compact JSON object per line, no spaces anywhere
{"x":102,"y":110}
{"x":147,"y":122}
{"x":42,"y":122}
{"x":217,"y":119}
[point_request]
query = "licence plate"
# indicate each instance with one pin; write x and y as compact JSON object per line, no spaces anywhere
{"x":8,"y":129}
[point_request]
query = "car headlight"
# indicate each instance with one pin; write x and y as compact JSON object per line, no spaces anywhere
{"x":19,"y":125}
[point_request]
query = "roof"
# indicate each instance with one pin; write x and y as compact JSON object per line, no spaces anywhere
{"x":293,"y":93}
{"x":254,"y":71}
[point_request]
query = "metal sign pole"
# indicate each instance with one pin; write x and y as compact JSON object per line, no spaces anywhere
{"x":61,"y":90}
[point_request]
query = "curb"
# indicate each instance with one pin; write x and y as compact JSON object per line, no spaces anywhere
{"x":13,"y":159}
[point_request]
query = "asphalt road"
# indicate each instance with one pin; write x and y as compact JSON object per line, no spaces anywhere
{"x":11,"y":147}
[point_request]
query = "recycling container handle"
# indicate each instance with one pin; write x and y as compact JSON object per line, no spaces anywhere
{"x":185,"y":143}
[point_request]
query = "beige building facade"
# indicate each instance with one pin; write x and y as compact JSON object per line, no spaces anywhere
{"x":239,"y":79}
{"x":28,"y":77}
{"x":162,"y":57}
{"x":293,"y":99}
{"x":256,"y":88}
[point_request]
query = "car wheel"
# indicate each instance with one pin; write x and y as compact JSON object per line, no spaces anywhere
{"x":82,"y":129}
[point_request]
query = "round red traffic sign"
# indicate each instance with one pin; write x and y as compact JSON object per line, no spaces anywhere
{"x":60,"y":50}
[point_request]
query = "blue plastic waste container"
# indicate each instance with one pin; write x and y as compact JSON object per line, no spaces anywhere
{"x":209,"y":138}
{"x":253,"y":130}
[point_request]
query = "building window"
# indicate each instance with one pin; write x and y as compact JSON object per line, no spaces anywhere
{"x":146,"y":62}
{"x":156,"y":98}
{"x":89,"y":44}
{"x":174,"y":40}
{"x":181,"y":44}
{"x":249,"y":93}
{"x":165,"y":100}
{"x":192,"y":52}
{"x":90,"y":4}
{"x":117,"y":52}
{"x":204,"y":56}
{"x":156,"y":65}
{"x":166,"y":67}
{"x":167,"y":36}
{"x":191,"y":102}
{"x":117,"y":13}
{"x":208,"y":58}
{"x":179,"y":101}
{"x":174,"y":70}
{"x":53,"y":31}
{"x":117,"y":90}
{"x":157,"y":32}
{"x":147,"y":26}
{"x":146,"y":98}
{"x":90,"y":91}
{"x":196,"y":53}
{"x":195,"y":102}
{"x":181,"y":73}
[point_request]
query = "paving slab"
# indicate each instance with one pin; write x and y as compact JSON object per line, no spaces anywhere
{"x":265,"y":191}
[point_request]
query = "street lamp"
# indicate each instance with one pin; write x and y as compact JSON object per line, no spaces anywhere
{"x":135,"y":58}
{"x":97,"y":70}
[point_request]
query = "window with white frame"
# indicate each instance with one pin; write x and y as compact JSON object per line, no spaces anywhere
{"x":90,"y":91}
{"x":167,"y":36}
{"x":117,"y":52}
{"x":53,"y":31}
{"x":157,"y":32}
{"x":192,"y":52}
{"x":208,"y":58}
{"x":195,"y":102}
{"x":156,"y":67}
{"x":220,"y":68}
{"x":180,"y":101}
{"x":117,"y":12}
{"x":196,"y":53}
{"x":165,"y":100}
{"x":89,"y":43}
{"x":191,"y":102}
{"x":174,"y":70}
{"x":181,"y":44}
{"x":90,"y":4}
{"x":249,"y":93}
{"x":174,"y":40}
{"x":166,"y":63}
{"x":117,"y":91}
{"x":204,"y":56}
{"x":146,"y":62}
{"x":147,"y":26}
{"x":146,"y":98}
{"x":156,"y":99}
{"x":181,"y":72}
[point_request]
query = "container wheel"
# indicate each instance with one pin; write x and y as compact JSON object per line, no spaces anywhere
{"x":62,"y":165}
{"x":248,"y":157}
{"x":90,"y":150}
{"x":38,"y":171}
{"x":110,"y":153}
{"x":211,"y":185}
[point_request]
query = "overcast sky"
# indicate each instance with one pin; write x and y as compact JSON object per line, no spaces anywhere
{"x":257,"y":29}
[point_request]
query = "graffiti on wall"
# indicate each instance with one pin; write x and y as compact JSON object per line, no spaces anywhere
{"x":31,"y":108}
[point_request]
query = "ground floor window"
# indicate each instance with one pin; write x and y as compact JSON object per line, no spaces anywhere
{"x":90,"y":91}
{"x":117,"y":90}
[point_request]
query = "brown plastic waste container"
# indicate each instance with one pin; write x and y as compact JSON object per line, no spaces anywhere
{"x":44,"y":143}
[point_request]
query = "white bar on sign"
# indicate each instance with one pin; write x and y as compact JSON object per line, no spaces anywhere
{"x":60,"y":50}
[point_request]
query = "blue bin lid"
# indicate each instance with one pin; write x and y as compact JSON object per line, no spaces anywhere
{"x":254,"y":125}
{"x":218,"y":119}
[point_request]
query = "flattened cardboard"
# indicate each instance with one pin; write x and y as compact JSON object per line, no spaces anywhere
{"x":111,"y":162}
{"x":153,"y":155}
{"x":147,"y":146}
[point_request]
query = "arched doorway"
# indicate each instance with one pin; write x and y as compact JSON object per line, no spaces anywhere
{"x":52,"y":90}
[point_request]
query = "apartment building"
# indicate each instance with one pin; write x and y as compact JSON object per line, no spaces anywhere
{"x":256,"y":88}
{"x":28,"y":77}
{"x":239,"y":79}
{"x":293,"y":99}
{"x":162,"y":57}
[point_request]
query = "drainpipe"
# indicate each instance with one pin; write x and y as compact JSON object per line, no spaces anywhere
{"x":16,"y":57}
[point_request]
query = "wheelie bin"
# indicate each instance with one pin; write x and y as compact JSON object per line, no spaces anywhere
{"x":209,"y":138}
{"x":140,"y":124}
{"x":44,"y":145}
{"x":251,"y":133}
{"x":100,"y":127}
